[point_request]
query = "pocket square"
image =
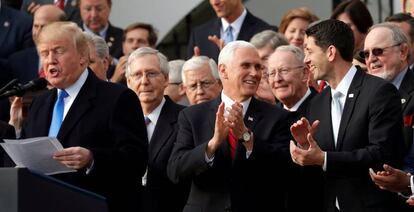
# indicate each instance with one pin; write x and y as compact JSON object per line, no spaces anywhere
{"x":408,"y":120}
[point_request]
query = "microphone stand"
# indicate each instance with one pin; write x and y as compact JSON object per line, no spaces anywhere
{"x":8,"y":86}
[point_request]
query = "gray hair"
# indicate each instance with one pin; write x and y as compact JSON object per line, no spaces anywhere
{"x":175,"y":71}
{"x":398,"y":35}
{"x":197,"y":62}
{"x":227,"y":53}
{"x":266,"y":37}
{"x":146,"y":51}
{"x":101,"y":48}
{"x":296,"y":51}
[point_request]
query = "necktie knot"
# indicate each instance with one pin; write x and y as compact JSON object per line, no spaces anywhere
{"x":60,"y":4}
{"x":147,"y":120}
{"x":62,"y":94}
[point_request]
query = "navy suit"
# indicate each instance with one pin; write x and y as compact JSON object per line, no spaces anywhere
{"x":15,"y":35}
{"x":369,"y":136}
{"x":257,"y":183}
{"x":24,"y":65}
{"x":106,"y":119}
{"x":199,"y":36}
{"x":71,"y":8}
{"x":114,"y":40}
{"x":160,"y":193}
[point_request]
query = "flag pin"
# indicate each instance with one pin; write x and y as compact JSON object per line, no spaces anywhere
{"x":403,"y":101}
{"x":250,"y":118}
{"x":351,"y":95}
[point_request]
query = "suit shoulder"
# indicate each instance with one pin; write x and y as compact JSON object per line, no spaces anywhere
{"x":17,"y":16}
{"x":206,"y":26}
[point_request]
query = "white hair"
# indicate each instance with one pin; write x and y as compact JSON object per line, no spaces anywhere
{"x":296,"y":51}
{"x":174,"y":75}
{"x":146,"y":51}
{"x":101,"y":48}
{"x":227,"y":53}
{"x":197,"y":62}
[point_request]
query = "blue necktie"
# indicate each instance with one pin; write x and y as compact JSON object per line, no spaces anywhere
{"x":228,"y":35}
{"x":57,"y":114}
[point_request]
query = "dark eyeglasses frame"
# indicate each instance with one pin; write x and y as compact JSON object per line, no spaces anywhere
{"x":375,"y":51}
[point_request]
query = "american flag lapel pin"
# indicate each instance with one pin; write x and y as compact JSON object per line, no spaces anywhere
{"x":351,"y":95}
{"x":249,"y":118}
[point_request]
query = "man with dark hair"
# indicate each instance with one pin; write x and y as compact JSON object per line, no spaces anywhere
{"x":353,"y":125}
{"x":233,"y":22}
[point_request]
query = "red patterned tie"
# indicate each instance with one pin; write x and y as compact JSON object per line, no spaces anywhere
{"x":233,"y":143}
{"x":60,"y":4}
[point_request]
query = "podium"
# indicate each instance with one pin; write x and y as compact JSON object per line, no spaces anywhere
{"x":22,"y":190}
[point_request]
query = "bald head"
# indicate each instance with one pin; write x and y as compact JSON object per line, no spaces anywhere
{"x":46,"y":14}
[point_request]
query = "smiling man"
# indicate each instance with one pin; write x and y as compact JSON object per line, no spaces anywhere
{"x":99,"y":124}
{"x":233,"y":146}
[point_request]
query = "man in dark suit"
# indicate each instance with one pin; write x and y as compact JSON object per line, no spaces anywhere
{"x":288,"y":77}
{"x":70,"y":7}
{"x":6,"y":132}
{"x":392,"y":65}
{"x":31,"y":67}
{"x":147,"y":75}
{"x":95,"y":19}
{"x":359,"y":124}
{"x":102,"y":131}
{"x":229,"y":13}
{"x":233,"y":147}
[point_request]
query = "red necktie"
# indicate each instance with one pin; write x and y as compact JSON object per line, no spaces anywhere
{"x":233,"y":143}
{"x":60,"y":4}
{"x":322,"y":85}
{"x":42,"y":73}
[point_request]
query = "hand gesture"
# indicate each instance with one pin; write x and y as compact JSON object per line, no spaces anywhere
{"x":301,"y":129}
{"x":313,"y":155}
{"x":391,"y":179}
{"x":74,"y":157}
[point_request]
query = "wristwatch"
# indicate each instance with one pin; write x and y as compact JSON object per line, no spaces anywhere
{"x":247,"y":136}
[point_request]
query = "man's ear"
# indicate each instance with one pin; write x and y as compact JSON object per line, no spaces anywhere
{"x":222,"y":71}
{"x":331,"y":53}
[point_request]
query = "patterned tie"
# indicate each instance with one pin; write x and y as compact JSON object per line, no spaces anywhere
{"x":58,"y":114}
{"x":228,"y":35}
{"x":147,"y":120}
{"x":60,"y":4}
{"x":233,"y":144}
{"x":336,"y":113}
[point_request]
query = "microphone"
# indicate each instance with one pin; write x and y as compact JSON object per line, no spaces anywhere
{"x":20,"y":90}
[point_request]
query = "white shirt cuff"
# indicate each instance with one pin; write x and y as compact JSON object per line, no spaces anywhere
{"x":324,"y":161}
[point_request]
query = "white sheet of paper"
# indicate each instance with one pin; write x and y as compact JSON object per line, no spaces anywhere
{"x":36,"y":154}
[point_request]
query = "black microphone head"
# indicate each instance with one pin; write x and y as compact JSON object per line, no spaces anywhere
{"x":35,"y":84}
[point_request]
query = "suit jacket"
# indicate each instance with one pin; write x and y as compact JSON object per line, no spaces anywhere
{"x":15,"y":35}
{"x":313,"y":192}
{"x":6,"y":132}
{"x":369,"y":136}
{"x":114,"y":40}
{"x":199,"y":36}
{"x":254,"y":184}
{"x":161,"y":194}
{"x":106,"y":119}
{"x":71,"y":8}
{"x":24,"y":65}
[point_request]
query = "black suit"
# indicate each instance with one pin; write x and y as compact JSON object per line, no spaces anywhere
{"x":199,"y":36}
{"x":369,"y":136}
{"x":24,"y":65}
{"x":310,"y":194}
{"x":71,"y":8}
{"x":106,"y":119}
{"x":254,"y":184}
{"x":6,"y":132}
{"x":114,"y":40}
{"x":160,"y":193}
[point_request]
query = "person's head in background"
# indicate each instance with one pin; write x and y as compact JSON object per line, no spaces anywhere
{"x":230,"y":10}
{"x":200,"y":79}
{"x":175,"y":89}
{"x":266,"y":42}
{"x":406,"y":22}
{"x":95,"y":14}
{"x":46,"y":14}
{"x":386,"y":51}
{"x":294,"y":24}
{"x":99,"y":58}
{"x":288,"y":75}
{"x":138,"y":35}
{"x":357,"y":16}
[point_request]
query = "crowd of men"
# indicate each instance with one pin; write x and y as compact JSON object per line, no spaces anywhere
{"x":318,"y":117}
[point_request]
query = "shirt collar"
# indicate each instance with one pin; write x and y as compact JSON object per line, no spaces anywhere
{"x":297,"y":105}
{"x":102,"y":33}
{"x":155,"y":114}
{"x":236,"y":23}
{"x":345,"y":83}
{"x":228,"y":102}
{"x":74,"y":89}
{"x":399,"y":78}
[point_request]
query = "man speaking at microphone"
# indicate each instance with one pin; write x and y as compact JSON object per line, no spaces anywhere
{"x":99,"y":124}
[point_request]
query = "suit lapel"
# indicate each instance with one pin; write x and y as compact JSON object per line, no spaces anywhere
{"x":5,"y":24}
{"x":322,"y":109}
{"x":80,"y":106}
{"x":406,"y":88}
{"x":217,"y":27}
{"x":351,"y":98}
{"x":43,"y":123}
{"x":253,"y":114}
{"x":246,"y":28}
{"x":163,"y":130}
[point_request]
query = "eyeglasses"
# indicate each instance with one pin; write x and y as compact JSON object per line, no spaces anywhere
{"x":149,"y":75}
{"x":202,"y":84}
{"x":375,"y":51}
{"x":282,"y":71}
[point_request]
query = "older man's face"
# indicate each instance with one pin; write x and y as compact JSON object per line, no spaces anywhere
{"x":384,"y":57}
{"x":200,"y":85}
